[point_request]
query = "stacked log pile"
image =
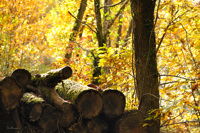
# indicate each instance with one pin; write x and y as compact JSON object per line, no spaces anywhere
{"x":51,"y":103}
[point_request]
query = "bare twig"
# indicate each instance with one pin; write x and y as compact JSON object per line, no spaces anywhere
{"x":157,"y":12}
{"x":146,"y":94}
{"x":183,"y":122}
{"x":169,"y":82}
{"x":196,"y":104}
{"x":82,"y":22}
{"x":163,"y":36}
{"x":171,"y":119}
{"x":189,"y":46}
{"x":177,"y":77}
{"x":112,"y":5}
{"x":79,"y":45}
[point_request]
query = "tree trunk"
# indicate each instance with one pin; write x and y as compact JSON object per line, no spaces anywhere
{"x":106,"y":21}
{"x":88,"y":101}
{"x":101,"y":41}
{"x":75,"y":29}
{"x":145,"y":59}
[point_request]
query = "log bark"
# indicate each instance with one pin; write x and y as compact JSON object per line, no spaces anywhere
{"x":10,"y":93}
{"x":45,"y":85}
{"x":51,"y":78}
{"x":130,"y":122}
{"x":31,"y":107}
{"x":88,"y":101}
{"x":113,"y":103}
{"x":147,"y":83}
{"x":67,"y":114}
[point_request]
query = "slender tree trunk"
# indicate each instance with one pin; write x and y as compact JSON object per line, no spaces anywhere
{"x":101,"y":41}
{"x":106,"y":22}
{"x":119,"y":32}
{"x":145,"y":59}
{"x":99,"y":23}
{"x":128,"y":34}
{"x":78,"y":21}
{"x":76,"y":28}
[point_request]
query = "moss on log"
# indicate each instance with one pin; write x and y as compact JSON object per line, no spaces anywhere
{"x":113,"y":103}
{"x":31,"y":107}
{"x":88,"y":101}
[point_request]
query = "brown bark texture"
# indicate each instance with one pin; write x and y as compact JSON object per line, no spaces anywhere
{"x":145,"y":59}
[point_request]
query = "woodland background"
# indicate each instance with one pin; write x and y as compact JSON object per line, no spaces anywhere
{"x":41,"y":35}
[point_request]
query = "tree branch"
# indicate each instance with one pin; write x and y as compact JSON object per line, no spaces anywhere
{"x":183,"y":122}
{"x":171,"y":119}
{"x":117,"y":14}
{"x":79,"y":45}
{"x":157,"y":13}
{"x":82,"y":22}
{"x":111,"y":5}
{"x":177,"y":77}
{"x":189,"y":46}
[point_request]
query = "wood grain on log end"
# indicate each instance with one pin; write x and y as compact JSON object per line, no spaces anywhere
{"x":97,"y":125}
{"x":77,"y":127}
{"x":89,"y":103}
{"x":48,"y":120}
{"x":66,"y":72}
{"x":113,"y":103}
{"x":36,"y":112}
{"x":68,"y":114}
{"x":10,"y":93}
{"x":22,"y":76}
{"x":131,"y":122}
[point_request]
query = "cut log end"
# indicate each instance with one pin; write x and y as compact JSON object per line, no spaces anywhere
{"x":97,"y":125}
{"x":89,"y":103}
{"x":68,"y":114}
{"x":131,"y":122}
{"x":10,"y":93}
{"x":113,"y":103}
{"x":36,"y":112}
{"x":48,"y":120}
{"x":66,"y":72}
{"x":22,"y":76}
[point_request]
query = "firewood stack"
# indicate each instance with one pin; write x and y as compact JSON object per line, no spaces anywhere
{"x":50,"y":103}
